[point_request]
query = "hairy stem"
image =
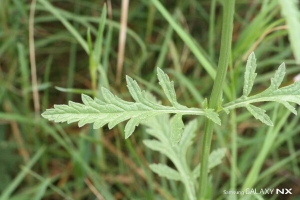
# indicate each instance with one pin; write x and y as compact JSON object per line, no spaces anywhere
{"x":216,"y":95}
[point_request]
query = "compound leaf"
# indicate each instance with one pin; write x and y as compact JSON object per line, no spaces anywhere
{"x":283,"y":95}
{"x":112,"y":110}
{"x":160,"y":127}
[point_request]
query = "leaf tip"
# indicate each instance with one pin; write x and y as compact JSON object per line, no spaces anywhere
{"x":128,"y":79}
{"x":252,"y":54}
{"x":282,"y":66}
{"x":128,"y":134}
{"x":44,"y":114}
{"x":159,"y":70}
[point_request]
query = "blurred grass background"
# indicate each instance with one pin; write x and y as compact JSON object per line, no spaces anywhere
{"x":42,"y":160}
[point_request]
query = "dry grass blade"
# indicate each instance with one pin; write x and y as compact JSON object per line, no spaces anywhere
{"x":17,"y":135}
{"x":122,"y":40}
{"x":261,"y":38}
{"x":36,"y":100}
{"x":93,"y":189}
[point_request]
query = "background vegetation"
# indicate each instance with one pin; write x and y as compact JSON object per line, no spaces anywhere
{"x":42,"y":160}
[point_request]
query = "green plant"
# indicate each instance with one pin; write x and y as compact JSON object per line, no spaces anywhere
{"x":42,"y":160}
{"x":113,"y":110}
{"x":174,"y":139}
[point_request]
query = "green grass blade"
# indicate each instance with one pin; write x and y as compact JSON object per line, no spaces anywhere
{"x":67,"y":24}
{"x":24,"y":73}
{"x":186,"y":38}
{"x":290,"y":10}
{"x":272,"y":134}
{"x":15,"y":183}
{"x":42,"y":189}
{"x":99,"y":36}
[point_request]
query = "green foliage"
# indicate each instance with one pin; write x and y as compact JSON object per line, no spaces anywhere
{"x":283,"y":95}
{"x":169,"y":132}
{"x":290,"y":10}
{"x":113,"y":110}
{"x":160,"y":128}
{"x":160,"y":35}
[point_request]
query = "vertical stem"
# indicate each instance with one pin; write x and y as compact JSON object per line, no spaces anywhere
{"x":216,"y":95}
